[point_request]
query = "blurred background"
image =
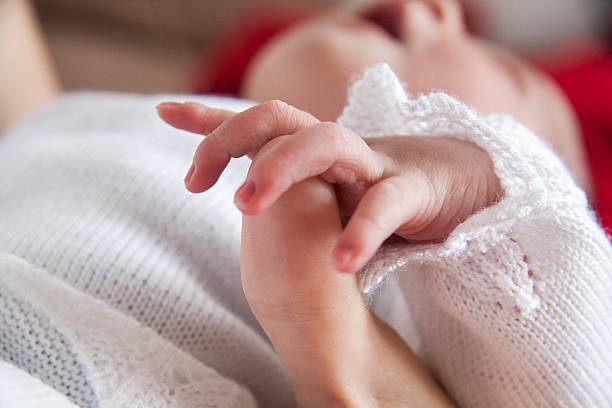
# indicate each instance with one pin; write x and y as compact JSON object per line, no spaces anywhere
{"x":140,"y":45}
{"x":203,"y":46}
{"x":157,"y":45}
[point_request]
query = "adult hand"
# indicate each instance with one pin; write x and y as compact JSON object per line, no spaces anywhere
{"x":336,"y":351}
{"x":416,"y":187}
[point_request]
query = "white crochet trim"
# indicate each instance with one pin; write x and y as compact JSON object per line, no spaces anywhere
{"x":513,"y":308}
{"x":379,"y":106}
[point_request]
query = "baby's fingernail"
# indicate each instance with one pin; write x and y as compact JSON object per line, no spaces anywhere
{"x":343,"y":255}
{"x":189,"y":175}
{"x":168,"y":105}
{"x":244,"y":194}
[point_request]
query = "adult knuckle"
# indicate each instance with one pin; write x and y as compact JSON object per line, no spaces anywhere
{"x":216,"y":139}
{"x":275,"y":109}
{"x":333,"y":135}
{"x":278,"y":164}
{"x":392,"y":192}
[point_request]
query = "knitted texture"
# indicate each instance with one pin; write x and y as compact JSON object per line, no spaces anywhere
{"x":31,"y":342}
{"x":91,"y":192}
{"x":113,"y":264}
{"x":123,"y":363}
{"x":513,"y":309}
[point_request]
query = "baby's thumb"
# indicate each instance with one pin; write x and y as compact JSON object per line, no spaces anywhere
{"x":398,"y":204}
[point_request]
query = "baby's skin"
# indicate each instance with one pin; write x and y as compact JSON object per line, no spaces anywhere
{"x":305,"y":178}
{"x":336,"y":351}
{"x":326,"y":199}
{"x":417,"y":188}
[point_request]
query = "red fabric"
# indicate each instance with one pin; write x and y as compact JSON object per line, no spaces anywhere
{"x":588,"y":85}
{"x":221,"y":71}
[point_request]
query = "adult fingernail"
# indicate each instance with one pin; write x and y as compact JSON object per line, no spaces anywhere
{"x":244,"y":194}
{"x":197,"y":104}
{"x":168,"y":105}
{"x":189,"y":175}
{"x":343,"y":255}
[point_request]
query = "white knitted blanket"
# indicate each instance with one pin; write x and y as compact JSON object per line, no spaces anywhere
{"x":119,"y":288}
{"x":513,"y":309}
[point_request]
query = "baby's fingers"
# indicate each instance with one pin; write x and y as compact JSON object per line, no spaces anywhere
{"x":395,"y":202}
{"x":334,"y":152}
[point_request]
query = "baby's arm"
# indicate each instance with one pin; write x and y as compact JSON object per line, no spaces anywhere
{"x":418,"y":188}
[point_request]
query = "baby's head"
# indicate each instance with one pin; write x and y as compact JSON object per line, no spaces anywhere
{"x":426,"y":43}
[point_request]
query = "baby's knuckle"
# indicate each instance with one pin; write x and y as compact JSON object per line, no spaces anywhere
{"x":389,"y":189}
{"x":275,"y":172}
{"x":421,"y":181}
{"x":370,"y":221}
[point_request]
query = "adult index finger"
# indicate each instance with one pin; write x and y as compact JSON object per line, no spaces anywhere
{"x":243,"y":133}
{"x":193,"y":116}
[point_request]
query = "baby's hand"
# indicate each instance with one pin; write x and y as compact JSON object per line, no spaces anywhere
{"x":416,"y":187}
